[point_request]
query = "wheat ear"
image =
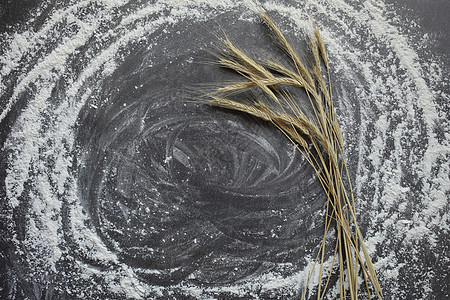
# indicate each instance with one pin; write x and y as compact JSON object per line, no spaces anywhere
{"x":319,"y":139}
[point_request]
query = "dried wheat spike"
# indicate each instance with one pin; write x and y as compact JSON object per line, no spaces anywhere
{"x":318,"y":138}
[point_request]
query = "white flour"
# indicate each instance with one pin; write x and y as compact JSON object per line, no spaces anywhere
{"x":402,"y":169}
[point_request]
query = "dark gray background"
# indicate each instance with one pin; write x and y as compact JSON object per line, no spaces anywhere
{"x":229,"y":181}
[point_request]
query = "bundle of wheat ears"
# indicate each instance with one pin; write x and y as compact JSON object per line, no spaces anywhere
{"x":318,"y":138}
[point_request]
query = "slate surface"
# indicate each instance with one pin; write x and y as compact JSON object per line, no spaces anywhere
{"x":177,"y":191}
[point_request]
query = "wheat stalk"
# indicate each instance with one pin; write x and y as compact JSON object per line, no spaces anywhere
{"x":319,"y":139}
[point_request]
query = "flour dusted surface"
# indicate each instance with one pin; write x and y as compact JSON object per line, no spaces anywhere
{"x":114,"y":187}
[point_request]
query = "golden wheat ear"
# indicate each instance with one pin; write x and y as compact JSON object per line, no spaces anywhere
{"x":318,"y":138}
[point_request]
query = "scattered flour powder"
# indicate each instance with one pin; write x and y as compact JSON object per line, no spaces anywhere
{"x":387,"y":89}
